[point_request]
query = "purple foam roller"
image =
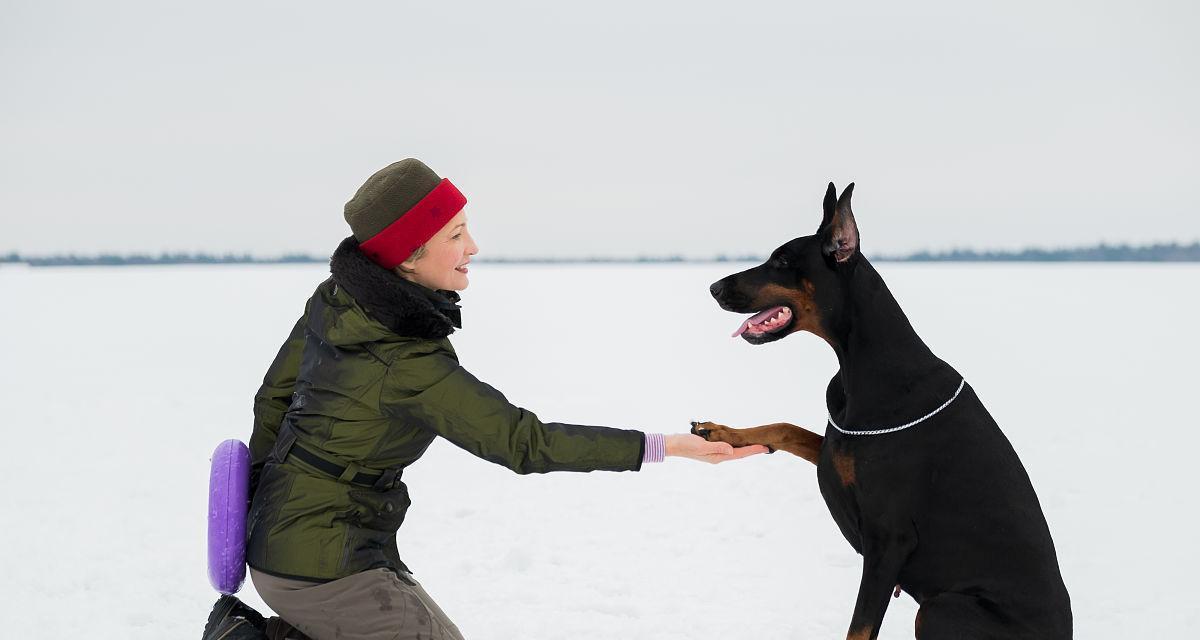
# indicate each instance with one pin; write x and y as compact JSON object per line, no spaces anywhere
{"x":228,"y":490}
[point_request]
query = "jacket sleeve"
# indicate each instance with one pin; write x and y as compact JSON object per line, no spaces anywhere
{"x":274,"y":397}
{"x":434,"y":392}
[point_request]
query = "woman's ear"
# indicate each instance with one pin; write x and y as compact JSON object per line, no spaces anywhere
{"x":410,"y":265}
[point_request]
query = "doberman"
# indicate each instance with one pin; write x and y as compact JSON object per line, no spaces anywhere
{"x":915,"y":472}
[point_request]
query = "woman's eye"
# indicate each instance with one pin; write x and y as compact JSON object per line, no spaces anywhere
{"x":456,"y":236}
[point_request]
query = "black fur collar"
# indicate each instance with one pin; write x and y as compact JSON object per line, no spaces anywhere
{"x":402,"y":306}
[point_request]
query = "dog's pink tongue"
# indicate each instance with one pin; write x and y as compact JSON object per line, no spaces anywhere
{"x":754,"y":319}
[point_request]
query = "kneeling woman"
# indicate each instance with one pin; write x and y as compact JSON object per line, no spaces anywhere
{"x":364,"y":383}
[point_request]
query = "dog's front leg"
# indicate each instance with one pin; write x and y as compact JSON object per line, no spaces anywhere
{"x":883,"y":557}
{"x":780,"y":436}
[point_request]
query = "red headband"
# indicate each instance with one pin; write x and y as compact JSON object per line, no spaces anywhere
{"x":415,"y":227}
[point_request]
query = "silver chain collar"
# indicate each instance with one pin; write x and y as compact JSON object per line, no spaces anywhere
{"x":876,"y":432}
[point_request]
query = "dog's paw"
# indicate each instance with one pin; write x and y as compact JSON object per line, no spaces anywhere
{"x":714,"y":432}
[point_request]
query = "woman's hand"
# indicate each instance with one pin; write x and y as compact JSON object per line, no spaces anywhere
{"x":686,"y":445}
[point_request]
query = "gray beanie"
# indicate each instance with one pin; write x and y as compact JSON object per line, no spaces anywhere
{"x":387,"y":195}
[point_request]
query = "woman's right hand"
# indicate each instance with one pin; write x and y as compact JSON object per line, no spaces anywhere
{"x":686,"y":445}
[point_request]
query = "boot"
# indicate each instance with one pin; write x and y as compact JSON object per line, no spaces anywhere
{"x":278,"y":629}
{"x":232,"y":620}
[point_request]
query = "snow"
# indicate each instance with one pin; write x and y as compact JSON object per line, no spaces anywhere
{"x":117,"y":383}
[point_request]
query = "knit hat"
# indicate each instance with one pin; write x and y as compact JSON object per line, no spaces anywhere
{"x":399,"y":209}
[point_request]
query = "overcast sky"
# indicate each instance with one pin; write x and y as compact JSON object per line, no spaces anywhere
{"x":601,"y":128}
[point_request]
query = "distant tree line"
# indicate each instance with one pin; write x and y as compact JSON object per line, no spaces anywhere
{"x":1172,"y":252}
{"x":112,"y":259}
{"x":587,"y":260}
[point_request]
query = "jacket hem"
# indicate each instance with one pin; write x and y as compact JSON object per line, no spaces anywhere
{"x":290,"y":576}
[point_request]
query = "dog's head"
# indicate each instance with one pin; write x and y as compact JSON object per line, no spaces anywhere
{"x":801,"y":286}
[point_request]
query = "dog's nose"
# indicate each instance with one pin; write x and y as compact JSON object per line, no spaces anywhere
{"x":717,"y":288}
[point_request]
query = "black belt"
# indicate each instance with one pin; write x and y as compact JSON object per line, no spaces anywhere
{"x":286,"y":445}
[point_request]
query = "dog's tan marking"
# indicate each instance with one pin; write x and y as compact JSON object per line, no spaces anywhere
{"x":802,"y":302}
{"x":843,"y":463}
{"x":779,"y":436}
{"x":861,"y":634}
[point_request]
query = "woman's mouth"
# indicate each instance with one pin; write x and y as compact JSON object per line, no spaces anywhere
{"x":768,"y":321}
{"x":462,"y":268}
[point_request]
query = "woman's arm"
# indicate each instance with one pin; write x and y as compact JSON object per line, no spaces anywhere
{"x":434,"y":392}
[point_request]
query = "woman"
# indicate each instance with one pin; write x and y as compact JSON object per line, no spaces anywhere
{"x":365,"y":382}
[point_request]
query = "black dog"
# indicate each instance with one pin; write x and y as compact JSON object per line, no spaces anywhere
{"x":914,"y":470}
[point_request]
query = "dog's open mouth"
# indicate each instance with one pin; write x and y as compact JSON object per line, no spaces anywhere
{"x":769,"y":321}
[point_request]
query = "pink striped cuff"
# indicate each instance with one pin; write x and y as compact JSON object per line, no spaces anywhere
{"x":656,"y":448}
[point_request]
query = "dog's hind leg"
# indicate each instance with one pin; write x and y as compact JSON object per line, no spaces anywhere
{"x":780,"y":436}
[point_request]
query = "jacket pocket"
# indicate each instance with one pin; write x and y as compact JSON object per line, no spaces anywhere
{"x":381,"y":510}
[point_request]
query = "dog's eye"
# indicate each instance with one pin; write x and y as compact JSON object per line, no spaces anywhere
{"x":782,"y":261}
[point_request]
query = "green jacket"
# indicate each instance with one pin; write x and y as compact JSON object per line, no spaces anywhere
{"x":364,"y":383}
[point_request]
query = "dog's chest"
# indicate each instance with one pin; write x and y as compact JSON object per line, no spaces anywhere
{"x":837,"y":477}
{"x":861,"y":482}
{"x":846,"y":464}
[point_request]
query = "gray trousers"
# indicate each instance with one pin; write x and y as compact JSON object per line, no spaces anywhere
{"x":372,"y":605}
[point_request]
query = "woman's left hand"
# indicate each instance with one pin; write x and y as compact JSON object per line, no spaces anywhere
{"x":686,"y":445}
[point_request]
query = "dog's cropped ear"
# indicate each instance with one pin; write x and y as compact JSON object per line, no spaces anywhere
{"x":839,"y":233}
{"x":828,"y":206}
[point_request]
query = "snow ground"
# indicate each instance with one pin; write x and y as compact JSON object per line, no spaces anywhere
{"x":118,"y":382}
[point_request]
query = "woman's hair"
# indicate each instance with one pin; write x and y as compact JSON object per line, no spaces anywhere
{"x":401,"y":270}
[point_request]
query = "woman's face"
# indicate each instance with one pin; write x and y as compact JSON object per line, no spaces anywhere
{"x":444,"y":264}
